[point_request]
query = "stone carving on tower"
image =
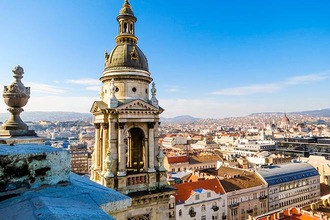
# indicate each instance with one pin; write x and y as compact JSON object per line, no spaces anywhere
{"x":16,"y":96}
{"x":126,"y":154}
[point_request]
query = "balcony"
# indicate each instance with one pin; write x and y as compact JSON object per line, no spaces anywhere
{"x":137,"y":179}
{"x":192,"y":213}
{"x":215,"y":208}
{"x":262,"y":197}
{"x":234,"y":205}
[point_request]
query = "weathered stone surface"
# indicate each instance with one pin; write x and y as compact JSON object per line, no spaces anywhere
{"x":31,"y":166}
{"x":78,"y":199}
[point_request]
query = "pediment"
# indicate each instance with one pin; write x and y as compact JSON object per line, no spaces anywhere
{"x":98,"y":106}
{"x":137,"y":105}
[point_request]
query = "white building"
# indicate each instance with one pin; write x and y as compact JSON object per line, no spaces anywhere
{"x":169,"y":142}
{"x":252,"y":147}
{"x":203,"y":200}
{"x":291,"y":184}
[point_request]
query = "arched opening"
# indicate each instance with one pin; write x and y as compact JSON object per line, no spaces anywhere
{"x":125,"y":27}
{"x":136,"y":151}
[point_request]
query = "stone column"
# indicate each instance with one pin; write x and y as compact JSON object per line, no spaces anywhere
{"x":97,"y":161}
{"x":113,"y":144}
{"x":104,"y":146}
{"x":146,"y":154}
{"x":121,"y":151}
{"x":151,"y":144}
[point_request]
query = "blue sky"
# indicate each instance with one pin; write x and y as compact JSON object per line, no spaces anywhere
{"x":209,"y":59}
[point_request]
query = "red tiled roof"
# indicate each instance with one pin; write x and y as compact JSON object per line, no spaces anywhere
{"x":185,"y":190}
{"x":230,"y":135}
{"x":177,"y":159}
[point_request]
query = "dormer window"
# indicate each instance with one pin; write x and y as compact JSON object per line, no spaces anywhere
{"x":134,"y":54}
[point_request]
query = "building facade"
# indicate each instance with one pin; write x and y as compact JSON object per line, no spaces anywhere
{"x":203,"y":200}
{"x":246,"y":193}
{"x":252,"y":147}
{"x":126,"y":154}
{"x":291,"y":185}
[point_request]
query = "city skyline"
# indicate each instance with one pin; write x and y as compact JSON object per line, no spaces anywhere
{"x":210,"y":60}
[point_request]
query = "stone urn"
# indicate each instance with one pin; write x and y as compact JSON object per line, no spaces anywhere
{"x":16,"y":96}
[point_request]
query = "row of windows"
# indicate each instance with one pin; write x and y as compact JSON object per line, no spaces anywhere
{"x":289,"y":202}
{"x":203,"y":208}
{"x":247,"y":198}
{"x":192,"y":168}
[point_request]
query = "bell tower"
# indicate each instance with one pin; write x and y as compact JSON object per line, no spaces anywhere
{"x":126,"y":154}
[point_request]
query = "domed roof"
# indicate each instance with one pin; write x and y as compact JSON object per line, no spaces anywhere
{"x":285,"y":119}
{"x":126,"y":56}
{"x":126,"y":9}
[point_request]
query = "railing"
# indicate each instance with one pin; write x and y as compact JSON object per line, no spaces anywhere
{"x":136,"y":179}
{"x":263,"y":197}
{"x":234,"y":205}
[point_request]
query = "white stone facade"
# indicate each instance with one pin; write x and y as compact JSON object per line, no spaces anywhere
{"x":204,"y":205}
{"x":292,"y":184}
{"x":245,"y":202}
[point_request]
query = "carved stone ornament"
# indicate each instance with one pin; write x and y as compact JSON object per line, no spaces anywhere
{"x":16,"y":96}
{"x":153,"y":99}
{"x":134,"y":54}
{"x":160,"y":158}
{"x":108,"y":164}
{"x":113,"y":102}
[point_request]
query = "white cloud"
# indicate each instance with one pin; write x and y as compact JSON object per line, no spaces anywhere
{"x":45,"y":88}
{"x":85,"y":81}
{"x":249,"y":90}
{"x":93,"y":88}
{"x":172,"y":90}
{"x":271,"y":87}
{"x":306,"y":79}
{"x":91,"y":84}
{"x":202,"y":108}
{"x":60,"y":103}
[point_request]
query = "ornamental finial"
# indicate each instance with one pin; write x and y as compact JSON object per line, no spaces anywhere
{"x":153,"y":99}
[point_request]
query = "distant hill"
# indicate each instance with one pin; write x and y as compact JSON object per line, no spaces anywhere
{"x":317,"y":113}
{"x":180,"y":119}
{"x":50,"y":116}
{"x":314,"y":113}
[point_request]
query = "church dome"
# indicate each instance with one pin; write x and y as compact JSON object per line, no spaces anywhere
{"x":285,"y":119}
{"x":126,"y":56}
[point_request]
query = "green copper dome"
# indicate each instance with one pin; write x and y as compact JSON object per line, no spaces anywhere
{"x":126,"y":56}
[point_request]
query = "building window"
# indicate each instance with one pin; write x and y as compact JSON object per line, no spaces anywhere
{"x":203,"y":208}
{"x":203,"y":217}
{"x":215,"y":217}
{"x":197,"y":197}
{"x":192,"y":212}
{"x":208,"y":194}
{"x":180,"y":212}
{"x":134,"y":89}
